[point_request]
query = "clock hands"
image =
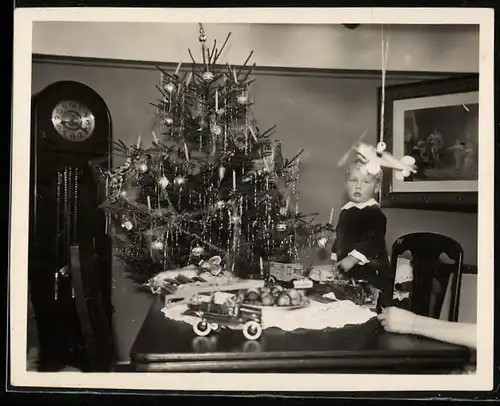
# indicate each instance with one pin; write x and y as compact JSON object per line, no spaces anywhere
{"x":78,"y":122}
{"x":74,"y":122}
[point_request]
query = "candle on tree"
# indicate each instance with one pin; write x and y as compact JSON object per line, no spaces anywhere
{"x":234,"y":180}
{"x":178,"y":68}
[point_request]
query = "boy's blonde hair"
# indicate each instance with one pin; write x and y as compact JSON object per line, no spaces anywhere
{"x":358,"y":164}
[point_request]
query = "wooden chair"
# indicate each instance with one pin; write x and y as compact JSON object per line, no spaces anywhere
{"x":436,"y":260}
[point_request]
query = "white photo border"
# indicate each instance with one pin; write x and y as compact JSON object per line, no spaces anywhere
{"x":23,"y":22}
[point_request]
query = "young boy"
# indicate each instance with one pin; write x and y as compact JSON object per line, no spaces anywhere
{"x":359,"y":248}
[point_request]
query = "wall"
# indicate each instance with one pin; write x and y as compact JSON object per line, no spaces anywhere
{"x":322,"y":113}
{"x":432,"y":48}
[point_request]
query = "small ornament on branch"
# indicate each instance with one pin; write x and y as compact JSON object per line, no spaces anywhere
{"x":322,"y":242}
{"x":216,"y":130}
{"x":163,"y":182}
{"x":242,"y":99}
{"x":281,"y":227}
{"x":179,"y":180}
{"x":127,"y":224}
{"x":208,"y":76}
{"x":157,"y":245}
{"x":169,"y":87}
{"x":197,"y":251}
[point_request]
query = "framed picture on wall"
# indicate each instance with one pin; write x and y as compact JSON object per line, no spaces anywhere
{"x":436,"y":122}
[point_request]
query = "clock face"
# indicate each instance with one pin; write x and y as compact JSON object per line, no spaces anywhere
{"x":73,"y":120}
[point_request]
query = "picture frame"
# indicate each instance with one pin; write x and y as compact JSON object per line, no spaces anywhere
{"x":436,"y":122}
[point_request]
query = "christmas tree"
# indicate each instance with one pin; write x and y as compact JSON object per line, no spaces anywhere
{"x":212,"y":185}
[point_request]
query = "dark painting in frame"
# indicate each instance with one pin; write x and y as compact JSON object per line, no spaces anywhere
{"x":437,"y":122}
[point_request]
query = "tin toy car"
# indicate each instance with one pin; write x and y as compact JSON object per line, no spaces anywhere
{"x":286,"y":274}
{"x":214,"y":316}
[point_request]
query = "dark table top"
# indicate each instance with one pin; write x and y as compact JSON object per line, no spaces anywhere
{"x":167,"y":345}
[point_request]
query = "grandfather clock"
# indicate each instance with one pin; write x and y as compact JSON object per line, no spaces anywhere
{"x":71,"y":126}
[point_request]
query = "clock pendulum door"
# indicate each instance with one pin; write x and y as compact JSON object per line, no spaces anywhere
{"x":70,"y":127}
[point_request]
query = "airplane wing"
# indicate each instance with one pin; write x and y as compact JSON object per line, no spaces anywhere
{"x":346,"y":156}
{"x":342,"y":161}
{"x":389,"y":161}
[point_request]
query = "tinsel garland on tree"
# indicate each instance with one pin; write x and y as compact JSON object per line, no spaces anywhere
{"x":212,"y":184}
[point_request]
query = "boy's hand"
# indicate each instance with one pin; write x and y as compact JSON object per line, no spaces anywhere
{"x":347,"y":263}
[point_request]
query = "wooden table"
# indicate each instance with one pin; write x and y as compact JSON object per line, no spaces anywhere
{"x":165,"y":345}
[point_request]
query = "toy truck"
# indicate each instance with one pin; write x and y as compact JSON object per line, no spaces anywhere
{"x":289,"y":273}
{"x":215,"y":316}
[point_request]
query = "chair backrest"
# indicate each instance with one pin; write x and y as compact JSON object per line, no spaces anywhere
{"x":435,"y":259}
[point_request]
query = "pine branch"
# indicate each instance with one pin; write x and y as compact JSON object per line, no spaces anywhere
{"x":172,"y":77}
{"x":245,"y":64}
{"x":192,"y":57}
{"x":211,"y":54}
{"x":249,"y":72}
{"x":222,"y":48}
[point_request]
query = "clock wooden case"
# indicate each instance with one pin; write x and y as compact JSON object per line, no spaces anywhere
{"x":71,"y":126}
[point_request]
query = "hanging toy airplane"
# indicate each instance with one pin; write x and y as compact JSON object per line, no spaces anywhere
{"x":375,"y":158}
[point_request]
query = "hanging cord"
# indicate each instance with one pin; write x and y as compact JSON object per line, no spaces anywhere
{"x":385,"y":53}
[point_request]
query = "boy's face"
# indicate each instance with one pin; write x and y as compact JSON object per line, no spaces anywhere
{"x":360,"y":187}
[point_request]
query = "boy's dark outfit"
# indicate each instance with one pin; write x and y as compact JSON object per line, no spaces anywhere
{"x":361,"y":229}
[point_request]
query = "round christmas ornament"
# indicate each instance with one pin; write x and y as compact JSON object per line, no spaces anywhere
{"x":127,"y":225}
{"x":220,"y":205}
{"x":216,"y":129}
{"x":242,"y":99}
{"x":322,"y":242}
{"x":143,"y":168}
{"x":168,"y":121}
{"x":281,"y":226}
{"x":197,"y":251}
{"x":169,"y":87}
{"x":283,"y":211}
{"x":179,"y":180}
{"x":220,"y":112}
{"x":207,"y":76}
{"x":163,"y":182}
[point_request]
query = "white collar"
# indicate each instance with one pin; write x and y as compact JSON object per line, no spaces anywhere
{"x":371,"y":202}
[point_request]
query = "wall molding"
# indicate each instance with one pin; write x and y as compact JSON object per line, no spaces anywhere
{"x":261,"y":70}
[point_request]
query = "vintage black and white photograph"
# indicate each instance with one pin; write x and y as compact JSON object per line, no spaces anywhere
{"x":449,"y":153}
{"x":254,"y":195}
